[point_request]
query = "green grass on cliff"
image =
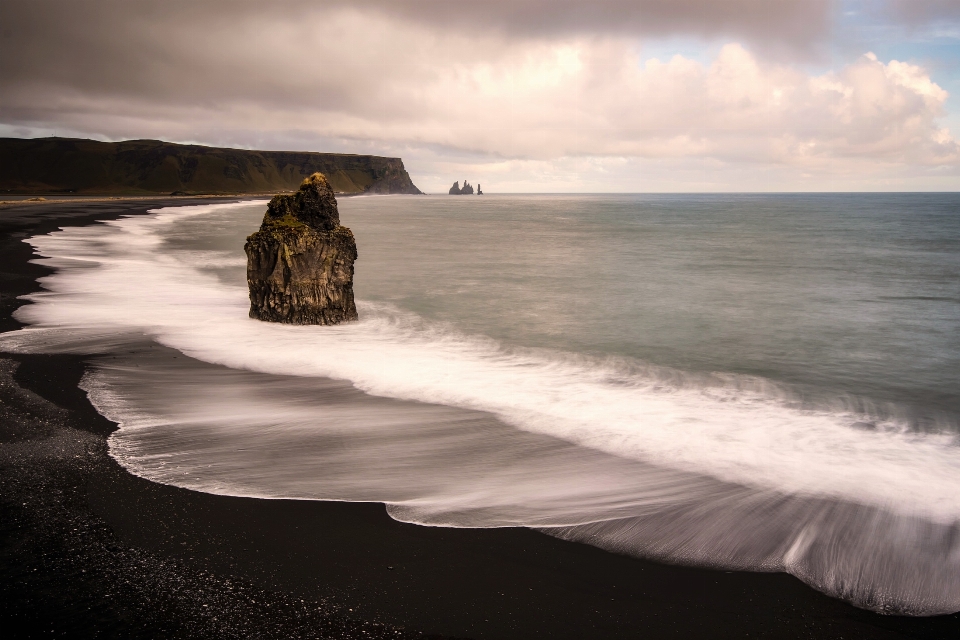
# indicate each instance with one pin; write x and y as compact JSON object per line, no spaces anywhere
{"x":149,"y":167}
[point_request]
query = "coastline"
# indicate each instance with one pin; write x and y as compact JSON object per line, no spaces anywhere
{"x":140,"y":200}
{"x":168,"y":201}
{"x":150,"y":560}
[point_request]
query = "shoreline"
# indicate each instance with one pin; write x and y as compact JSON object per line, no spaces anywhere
{"x":170,"y":200}
{"x":83,"y":199}
{"x":150,"y":560}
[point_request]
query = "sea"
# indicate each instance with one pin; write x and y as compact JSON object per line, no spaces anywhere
{"x":746,"y":382}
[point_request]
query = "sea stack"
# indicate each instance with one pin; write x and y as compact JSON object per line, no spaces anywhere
{"x":465,"y":190}
{"x":300,"y":262}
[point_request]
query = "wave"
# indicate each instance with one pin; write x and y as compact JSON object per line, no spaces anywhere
{"x":459,"y":430}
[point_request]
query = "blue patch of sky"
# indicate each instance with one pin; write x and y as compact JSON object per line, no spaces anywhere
{"x":870,"y":25}
{"x":692,"y":48}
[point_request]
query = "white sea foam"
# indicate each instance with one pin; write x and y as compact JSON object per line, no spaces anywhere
{"x":763,"y":450}
{"x":736,"y":436}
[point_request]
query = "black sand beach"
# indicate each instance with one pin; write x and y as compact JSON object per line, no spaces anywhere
{"x":89,"y":550}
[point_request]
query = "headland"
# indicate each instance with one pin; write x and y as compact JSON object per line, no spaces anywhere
{"x":70,"y":166}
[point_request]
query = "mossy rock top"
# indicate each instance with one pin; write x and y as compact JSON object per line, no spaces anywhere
{"x":313,"y":205}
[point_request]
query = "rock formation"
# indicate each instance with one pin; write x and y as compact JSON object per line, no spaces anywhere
{"x":457,"y":190}
{"x":300,"y":262}
{"x":479,"y":190}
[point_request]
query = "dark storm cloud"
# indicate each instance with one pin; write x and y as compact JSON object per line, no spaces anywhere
{"x":129,"y":45}
{"x":793,"y":21}
{"x":88,"y":52}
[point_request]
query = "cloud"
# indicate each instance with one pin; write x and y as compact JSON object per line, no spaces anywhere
{"x":923,"y":11}
{"x":398,"y":78}
{"x":740,"y":107}
{"x":795,"y":22}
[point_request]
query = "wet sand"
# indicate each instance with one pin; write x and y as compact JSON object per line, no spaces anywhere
{"x":89,"y":550}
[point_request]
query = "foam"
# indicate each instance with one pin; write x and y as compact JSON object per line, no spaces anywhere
{"x":739,"y":436}
{"x":686,"y":441}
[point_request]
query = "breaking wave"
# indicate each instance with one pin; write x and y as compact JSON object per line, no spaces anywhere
{"x":459,"y":430}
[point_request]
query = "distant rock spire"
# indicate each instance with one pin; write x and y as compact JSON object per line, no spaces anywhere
{"x":465,"y":190}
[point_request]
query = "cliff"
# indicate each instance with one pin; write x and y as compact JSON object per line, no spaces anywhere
{"x":300,"y":262}
{"x":149,"y":167}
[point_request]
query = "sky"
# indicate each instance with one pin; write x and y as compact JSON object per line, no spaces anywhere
{"x":518,"y":95}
